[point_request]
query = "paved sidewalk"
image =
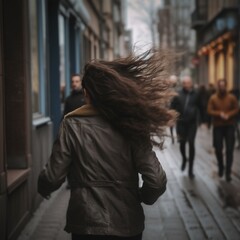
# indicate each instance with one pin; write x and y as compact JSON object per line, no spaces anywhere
{"x":48,"y":221}
{"x":207,"y":207}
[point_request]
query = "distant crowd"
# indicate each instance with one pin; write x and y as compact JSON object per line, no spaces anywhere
{"x":212,"y":106}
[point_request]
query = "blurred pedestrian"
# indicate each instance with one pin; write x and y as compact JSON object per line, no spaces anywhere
{"x":186,"y":103}
{"x":211,"y":90}
{"x":223,"y":107}
{"x":203,"y":101}
{"x":76,"y":98}
{"x":173,"y":80}
{"x":102,"y":146}
{"x":236,"y":93}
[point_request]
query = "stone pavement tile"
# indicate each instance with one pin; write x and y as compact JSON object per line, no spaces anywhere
{"x":62,"y":235}
{"x":49,"y":220}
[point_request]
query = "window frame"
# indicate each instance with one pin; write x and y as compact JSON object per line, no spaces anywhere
{"x":41,"y":115}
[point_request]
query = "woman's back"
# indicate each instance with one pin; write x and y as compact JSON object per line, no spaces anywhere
{"x":99,"y":150}
{"x":104,"y":145}
{"x":103,"y":179}
{"x":102,"y":168}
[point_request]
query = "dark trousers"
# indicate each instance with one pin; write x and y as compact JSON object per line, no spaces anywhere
{"x":104,"y":237}
{"x":186,"y":134}
{"x":220,"y":135}
{"x":237,"y":134}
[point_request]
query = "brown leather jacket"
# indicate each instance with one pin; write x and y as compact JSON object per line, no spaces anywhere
{"x":102,"y":169}
{"x":227,"y":104}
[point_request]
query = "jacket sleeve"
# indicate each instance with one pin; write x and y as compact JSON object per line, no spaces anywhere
{"x":235,"y":107}
{"x":153,"y":175}
{"x":210,"y":108}
{"x":55,"y":171}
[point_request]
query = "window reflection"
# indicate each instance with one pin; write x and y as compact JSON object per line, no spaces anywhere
{"x":62,"y":54}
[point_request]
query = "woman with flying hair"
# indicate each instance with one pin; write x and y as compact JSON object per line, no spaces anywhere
{"x":103,"y":146}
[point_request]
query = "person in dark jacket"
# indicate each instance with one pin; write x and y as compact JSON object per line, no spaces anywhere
{"x":186,"y":103}
{"x":203,"y":101}
{"x":76,"y":98}
{"x":236,"y":93}
{"x":103,"y":146}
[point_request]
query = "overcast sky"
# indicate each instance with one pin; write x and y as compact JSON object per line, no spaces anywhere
{"x":137,"y":17}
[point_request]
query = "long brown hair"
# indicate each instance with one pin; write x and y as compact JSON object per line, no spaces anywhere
{"x":133,"y":94}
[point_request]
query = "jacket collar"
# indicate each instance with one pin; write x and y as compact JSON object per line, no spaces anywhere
{"x":86,"y":110}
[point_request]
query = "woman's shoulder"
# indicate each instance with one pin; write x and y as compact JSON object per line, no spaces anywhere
{"x":82,"y":120}
{"x":86,"y":110}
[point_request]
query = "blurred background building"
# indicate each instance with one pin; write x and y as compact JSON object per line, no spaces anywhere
{"x":174,"y":28}
{"x":216,"y":23}
{"x":42,"y":42}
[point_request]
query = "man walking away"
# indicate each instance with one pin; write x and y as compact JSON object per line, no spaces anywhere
{"x":186,"y":103}
{"x":76,"y":99}
{"x":223,"y":107}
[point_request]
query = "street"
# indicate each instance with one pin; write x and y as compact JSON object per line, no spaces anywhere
{"x":203,"y":208}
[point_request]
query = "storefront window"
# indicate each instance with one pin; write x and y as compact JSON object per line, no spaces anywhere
{"x":62,"y":55}
{"x":220,"y":73}
{"x":34,"y":59}
{"x":78,"y":50}
{"x":230,"y":65}
{"x":39,"y":62}
{"x":211,"y":67}
{"x":87,"y":49}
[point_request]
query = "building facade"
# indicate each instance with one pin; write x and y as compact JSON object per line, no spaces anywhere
{"x":216,"y":23}
{"x":42,"y":42}
{"x":174,"y":28}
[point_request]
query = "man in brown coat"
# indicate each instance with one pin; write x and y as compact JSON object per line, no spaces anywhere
{"x":223,"y":107}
